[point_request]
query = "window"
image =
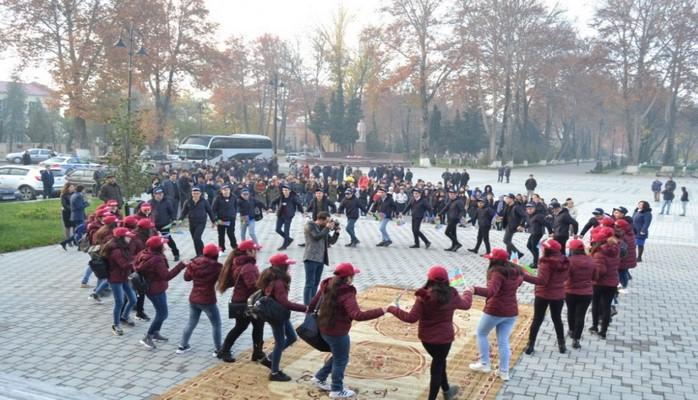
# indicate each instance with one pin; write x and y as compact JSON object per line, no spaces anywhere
{"x":18,"y":171}
{"x":4,"y":171}
{"x":240,"y":143}
{"x":198,"y":140}
{"x":34,"y":152}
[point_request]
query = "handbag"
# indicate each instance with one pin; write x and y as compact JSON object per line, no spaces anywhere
{"x":237,"y":310}
{"x":99,"y":265}
{"x":309,"y":330}
{"x":258,"y":214}
{"x":138,"y":282}
{"x":267,"y":309}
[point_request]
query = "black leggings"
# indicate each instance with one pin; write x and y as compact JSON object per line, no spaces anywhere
{"x":230,"y":231}
{"x":577,"y":305}
{"x":451,"y":232}
{"x":601,"y":306}
{"x":540,"y":306}
{"x":241,"y":325}
{"x":439,"y":380}
{"x":532,"y":246}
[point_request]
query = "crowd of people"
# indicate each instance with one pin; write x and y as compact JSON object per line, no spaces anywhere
{"x":575,"y":267}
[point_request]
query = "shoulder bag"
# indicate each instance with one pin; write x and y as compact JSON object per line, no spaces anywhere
{"x":309,"y":330}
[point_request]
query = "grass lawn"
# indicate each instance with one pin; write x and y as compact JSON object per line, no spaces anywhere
{"x":24,"y":225}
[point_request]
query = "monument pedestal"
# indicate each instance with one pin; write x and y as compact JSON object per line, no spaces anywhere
{"x":360,"y":149}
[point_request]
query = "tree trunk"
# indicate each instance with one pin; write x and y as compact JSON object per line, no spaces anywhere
{"x":80,"y":131}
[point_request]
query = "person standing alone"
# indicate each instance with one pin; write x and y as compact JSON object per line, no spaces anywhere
{"x":47,"y":180}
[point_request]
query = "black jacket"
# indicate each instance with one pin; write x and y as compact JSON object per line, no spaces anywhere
{"x":224,"y":208}
{"x":246,"y":207}
{"x":536,"y":224}
{"x":592,"y":223}
{"x":164,"y":212}
{"x":198,"y":211}
{"x":323,"y":205}
{"x":184,"y":184}
{"x":531,"y":184}
{"x":111,"y":192}
{"x":170,"y":190}
{"x":47,"y":178}
{"x":454,"y":210}
{"x":286,"y":206}
{"x":484,"y":216}
{"x":351,"y":207}
{"x":386,"y":206}
{"x":562,"y":222}
{"x":418,"y":208}
{"x":513,"y":216}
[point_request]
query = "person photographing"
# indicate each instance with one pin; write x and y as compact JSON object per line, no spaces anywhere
{"x":317,"y":240}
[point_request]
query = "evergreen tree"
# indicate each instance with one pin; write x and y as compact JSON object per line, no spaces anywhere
{"x":14,"y":113}
{"x":476,"y":136}
{"x":336,"y":121}
{"x":351,"y":120}
{"x":435,"y":131}
{"x":319,"y":120}
{"x":457,"y":139}
{"x":39,"y":127}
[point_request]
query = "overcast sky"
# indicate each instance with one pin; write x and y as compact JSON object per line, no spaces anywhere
{"x":294,"y":20}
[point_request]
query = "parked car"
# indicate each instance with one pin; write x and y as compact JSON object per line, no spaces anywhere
{"x":297,"y":156}
{"x":37,"y":155}
{"x":82,"y":176}
{"x":67,"y":163}
{"x":27,"y":180}
{"x":9,"y":194}
{"x":154,"y":155}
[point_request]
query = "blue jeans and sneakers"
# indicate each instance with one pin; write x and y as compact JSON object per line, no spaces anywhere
{"x":249,"y":225}
{"x":213,"y":315}
{"x":159,"y":302}
{"x":284,"y":337}
{"x":335,"y":366}
{"x":504,"y":326}
{"x":119,"y":290}
{"x":352,"y":233}
{"x":313,"y":274}
{"x":383,"y":228}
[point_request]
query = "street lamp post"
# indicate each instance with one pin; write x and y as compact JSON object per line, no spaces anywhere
{"x":131,"y":39}
{"x":276,"y":84}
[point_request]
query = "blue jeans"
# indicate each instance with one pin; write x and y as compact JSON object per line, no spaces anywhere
{"x":283,"y":228}
{"x":118,"y":290}
{"x":504,"y":326}
{"x":336,"y":364}
{"x":160,"y":304}
{"x":383,"y":227}
{"x":350,"y":230}
{"x":249,"y":225}
{"x":213,"y":315}
{"x":667,"y":205}
{"x":624,"y":277}
{"x":313,"y":274}
{"x":284,"y":336}
{"x":86,"y":276}
{"x":101,"y":285}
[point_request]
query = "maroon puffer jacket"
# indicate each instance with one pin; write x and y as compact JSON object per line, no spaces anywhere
{"x":278,"y":291}
{"x":552,"y":274}
{"x":245,"y":275}
{"x":501,"y":292}
{"x":203,"y":271}
{"x":435,"y":320}
{"x":153,"y":265}
{"x":582,"y":269}
{"x":346,"y":309}
{"x":607,"y":259}
{"x":120,"y":263}
{"x":630,"y":259}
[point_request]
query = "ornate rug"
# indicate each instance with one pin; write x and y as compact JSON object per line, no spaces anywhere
{"x":387,"y":361}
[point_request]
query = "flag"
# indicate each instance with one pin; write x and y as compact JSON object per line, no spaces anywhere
{"x":456,"y":278}
{"x":397,"y":299}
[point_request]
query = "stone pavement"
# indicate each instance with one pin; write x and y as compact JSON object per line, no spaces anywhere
{"x":52,"y":335}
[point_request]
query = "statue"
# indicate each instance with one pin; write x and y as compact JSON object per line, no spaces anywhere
{"x":361,"y":128}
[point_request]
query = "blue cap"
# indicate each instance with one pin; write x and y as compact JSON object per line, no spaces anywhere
{"x":598,"y":211}
{"x":348,"y":191}
{"x":245,"y":191}
{"x":195,"y":189}
{"x":225,"y":186}
{"x":158,"y":190}
{"x":531,"y":205}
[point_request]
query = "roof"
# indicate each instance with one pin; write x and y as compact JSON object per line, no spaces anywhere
{"x":30,"y":89}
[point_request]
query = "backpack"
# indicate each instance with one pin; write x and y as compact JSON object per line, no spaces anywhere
{"x":138,"y":282}
{"x":266,"y":308}
{"x":258,"y":214}
{"x":99,"y":265}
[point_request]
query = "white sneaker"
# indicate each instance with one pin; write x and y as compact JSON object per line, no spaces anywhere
{"x":623,"y":291}
{"x":321,"y":384}
{"x":344,"y":394}
{"x":480,"y":367}
{"x":503,"y":376}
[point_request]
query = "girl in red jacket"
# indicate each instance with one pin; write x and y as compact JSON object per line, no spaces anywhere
{"x":203,"y":271}
{"x":501,"y":309}
{"x":337,"y":310}
{"x":275,"y":282}
{"x":606,"y":255}
{"x":120,"y":259}
{"x":578,"y":289}
{"x":240,"y":271}
{"x":434,"y":308}
{"x":143,"y":231}
{"x":152,"y":264}
{"x":553,"y":270}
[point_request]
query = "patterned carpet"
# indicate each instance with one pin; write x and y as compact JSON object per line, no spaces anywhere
{"x":387,"y":361}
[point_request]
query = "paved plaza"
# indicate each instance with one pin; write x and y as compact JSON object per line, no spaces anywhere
{"x":56,"y":342}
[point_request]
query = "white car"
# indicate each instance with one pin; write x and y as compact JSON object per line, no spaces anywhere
{"x":67,"y":163}
{"x":26,"y":179}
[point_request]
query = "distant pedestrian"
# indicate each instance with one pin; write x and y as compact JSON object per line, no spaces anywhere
{"x":507,"y":172}
{"x":668,"y":197}
{"x":684,"y":201}
{"x":47,"y":181}
{"x":500,"y":174}
{"x":26,"y":158}
{"x":656,"y":189}
{"x":642,"y":218}
{"x":531,"y":185}
{"x":111,"y":191}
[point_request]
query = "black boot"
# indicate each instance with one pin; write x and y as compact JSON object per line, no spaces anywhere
{"x":529,"y":348}
{"x":576,"y":345}
{"x":258,"y":352}
{"x":561,"y":346}
{"x":640,"y":250}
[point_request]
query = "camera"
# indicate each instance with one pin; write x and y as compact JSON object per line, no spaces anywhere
{"x":336,"y":225}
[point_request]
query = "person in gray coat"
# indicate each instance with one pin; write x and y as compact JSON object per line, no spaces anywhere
{"x":317,"y":240}
{"x":78,"y":204}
